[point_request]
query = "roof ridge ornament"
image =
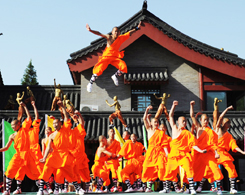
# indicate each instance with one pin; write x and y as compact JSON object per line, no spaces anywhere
{"x":144,"y":7}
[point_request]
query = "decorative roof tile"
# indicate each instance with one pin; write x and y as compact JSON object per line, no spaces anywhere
{"x":146,"y":76}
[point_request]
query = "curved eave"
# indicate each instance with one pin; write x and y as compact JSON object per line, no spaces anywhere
{"x":171,"y":32}
{"x":171,"y":39}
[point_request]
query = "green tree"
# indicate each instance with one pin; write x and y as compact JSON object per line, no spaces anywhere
{"x":30,"y":75}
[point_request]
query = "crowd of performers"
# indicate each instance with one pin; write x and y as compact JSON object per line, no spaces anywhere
{"x":198,"y":152}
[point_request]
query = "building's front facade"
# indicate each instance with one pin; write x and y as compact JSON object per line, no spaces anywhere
{"x":160,"y":60}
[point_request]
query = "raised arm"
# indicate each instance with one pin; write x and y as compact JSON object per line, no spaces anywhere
{"x":66,"y":116}
{"x":26,"y":110}
{"x":194,"y":120}
{"x":222,"y":116}
{"x":80,"y":118}
{"x":135,"y":29}
{"x":96,"y":32}
{"x":193,"y":127}
{"x":171,"y":114}
{"x":145,"y":117}
{"x":35,"y":110}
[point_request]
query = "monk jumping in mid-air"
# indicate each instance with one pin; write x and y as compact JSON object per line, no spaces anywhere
{"x":111,"y":54}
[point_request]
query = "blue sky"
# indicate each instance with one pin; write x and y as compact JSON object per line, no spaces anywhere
{"x":48,"y":31}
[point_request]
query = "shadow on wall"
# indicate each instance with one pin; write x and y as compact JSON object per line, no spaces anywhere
{"x":106,"y":83}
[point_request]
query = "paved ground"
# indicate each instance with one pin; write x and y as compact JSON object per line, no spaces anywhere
{"x":136,"y":193}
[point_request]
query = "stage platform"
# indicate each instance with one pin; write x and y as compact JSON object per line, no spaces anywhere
{"x":137,"y":193}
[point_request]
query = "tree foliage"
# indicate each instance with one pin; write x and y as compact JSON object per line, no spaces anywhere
{"x":30,"y":75}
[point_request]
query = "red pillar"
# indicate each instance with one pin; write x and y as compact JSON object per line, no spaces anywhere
{"x":201,"y":92}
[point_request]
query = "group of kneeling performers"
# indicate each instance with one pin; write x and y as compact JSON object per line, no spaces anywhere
{"x":198,"y":152}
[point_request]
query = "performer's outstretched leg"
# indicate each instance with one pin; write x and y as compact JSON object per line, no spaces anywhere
{"x":115,"y":76}
{"x":92,"y":80}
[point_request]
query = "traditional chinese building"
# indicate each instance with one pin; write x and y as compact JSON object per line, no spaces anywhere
{"x":160,"y":59}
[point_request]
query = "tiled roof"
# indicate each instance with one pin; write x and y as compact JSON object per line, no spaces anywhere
{"x":1,"y":79}
{"x":44,"y":95}
{"x":96,"y":123}
{"x":145,"y":15}
{"x":149,"y":76}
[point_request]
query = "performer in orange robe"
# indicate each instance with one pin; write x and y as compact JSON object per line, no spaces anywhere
{"x":207,"y":139}
{"x":99,"y":169}
{"x":163,"y":127}
{"x":59,"y":176}
{"x":60,"y":158}
{"x":139,"y":150}
{"x":155,"y":157}
{"x":182,"y":143}
{"x":21,"y":163}
{"x":81,"y":160}
{"x":33,"y":134}
{"x":44,"y":142}
{"x":111,"y":54}
{"x":77,"y":149}
{"x":225,"y":143}
{"x":128,"y":152}
{"x":112,"y":165}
